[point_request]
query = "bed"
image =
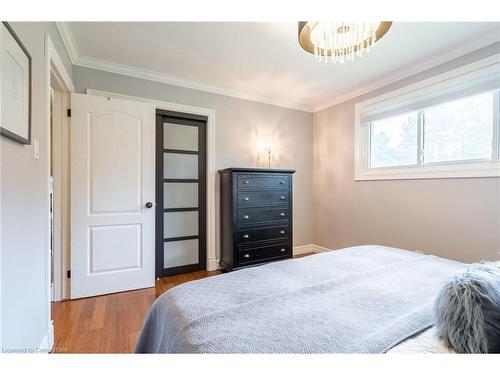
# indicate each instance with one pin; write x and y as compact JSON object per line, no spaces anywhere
{"x":364,"y":299}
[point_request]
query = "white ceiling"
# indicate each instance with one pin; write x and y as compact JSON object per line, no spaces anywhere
{"x":263,"y":60}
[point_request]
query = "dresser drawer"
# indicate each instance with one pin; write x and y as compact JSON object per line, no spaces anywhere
{"x":255,"y":216}
{"x":248,"y":216}
{"x":264,"y":253}
{"x":262,"y":198}
{"x":262,"y":180}
{"x":264,"y":234}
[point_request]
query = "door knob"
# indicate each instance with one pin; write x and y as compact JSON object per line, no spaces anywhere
{"x":149,"y":204}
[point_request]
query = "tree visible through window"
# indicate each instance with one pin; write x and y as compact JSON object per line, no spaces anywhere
{"x":459,"y":130}
{"x":455,"y":131}
{"x":394,"y":141}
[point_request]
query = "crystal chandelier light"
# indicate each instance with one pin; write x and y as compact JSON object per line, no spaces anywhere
{"x":340,"y":41}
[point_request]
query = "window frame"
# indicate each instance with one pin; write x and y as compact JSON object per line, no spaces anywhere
{"x":485,"y":70}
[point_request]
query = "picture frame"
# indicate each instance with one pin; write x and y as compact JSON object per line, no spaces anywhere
{"x":15,"y":95}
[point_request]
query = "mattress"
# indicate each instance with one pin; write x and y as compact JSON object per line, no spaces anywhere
{"x":426,"y":342}
{"x":365,"y":299}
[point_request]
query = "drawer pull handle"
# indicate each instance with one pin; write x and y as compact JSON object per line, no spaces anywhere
{"x":246,"y":199}
{"x":282,"y":182}
{"x":282,"y":214}
{"x":245,"y":216}
{"x":246,"y":182}
{"x":283,"y":250}
{"x":246,"y":236}
{"x":282,"y":197}
{"x":246,"y":256}
{"x":282,"y":232}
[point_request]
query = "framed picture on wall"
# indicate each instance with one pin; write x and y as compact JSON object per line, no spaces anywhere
{"x":15,"y":78}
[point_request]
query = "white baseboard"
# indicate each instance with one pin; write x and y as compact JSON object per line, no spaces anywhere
{"x":48,"y":340}
{"x":309,"y":249}
{"x":213,"y":264}
{"x":319,"y":249}
{"x":304,"y":249}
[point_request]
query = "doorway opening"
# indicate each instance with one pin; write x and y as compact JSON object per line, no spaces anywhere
{"x":181,"y":170}
{"x":58,"y":187}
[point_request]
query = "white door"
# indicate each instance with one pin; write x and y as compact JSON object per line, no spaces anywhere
{"x":112,"y":195}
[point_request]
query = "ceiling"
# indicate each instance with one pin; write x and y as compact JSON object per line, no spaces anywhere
{"x":262,"y":60}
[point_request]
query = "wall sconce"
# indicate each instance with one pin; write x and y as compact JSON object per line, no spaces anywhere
{"x":265,"y":145}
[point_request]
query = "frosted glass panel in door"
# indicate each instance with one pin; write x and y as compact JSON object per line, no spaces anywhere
{"x":180,"y":137}
{"x":180,"y":253}
{"x":180,"y":224}
{"x":180,"y":166}
{"x":180,"y":194}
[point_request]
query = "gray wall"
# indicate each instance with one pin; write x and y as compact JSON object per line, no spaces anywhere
{"x":238,"y":125}
{"x":453,"y":218}
{"x":24,"y":210}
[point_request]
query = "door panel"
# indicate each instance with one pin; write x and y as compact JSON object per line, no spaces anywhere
{"x":180,"y":195}
{"x":180,"y":253}
{"x":112,"y":177}
{"x":115,"y":169}
{"x":114,"y":248}
{"x":181,"y":192}
{"x":180,"y":224}
{"x":180,"y":166}
{"x":180,"y":137}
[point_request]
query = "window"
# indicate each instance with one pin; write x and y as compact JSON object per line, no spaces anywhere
{"x":459,"y":130}
{"x":450,"y":128}
{"x":394,"y":141}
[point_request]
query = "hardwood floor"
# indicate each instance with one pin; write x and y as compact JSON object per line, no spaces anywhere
{"x":110,"y":323}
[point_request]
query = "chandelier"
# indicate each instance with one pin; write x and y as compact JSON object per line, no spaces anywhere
{"x":339,"y":42}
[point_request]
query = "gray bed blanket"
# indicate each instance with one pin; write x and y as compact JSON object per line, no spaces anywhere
{"x":362,"y":299}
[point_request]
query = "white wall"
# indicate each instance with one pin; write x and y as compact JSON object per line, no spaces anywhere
{"x":238,"y":124}
{"x":24,"y":210}
{"x":454,"y":218}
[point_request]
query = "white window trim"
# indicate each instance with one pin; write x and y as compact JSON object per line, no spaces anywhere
{"x":488,"y":68}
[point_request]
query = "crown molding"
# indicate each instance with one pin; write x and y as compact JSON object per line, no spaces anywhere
{"x":68,"y":40}
{"x":132,"y":71}
{"x":416,"y":69}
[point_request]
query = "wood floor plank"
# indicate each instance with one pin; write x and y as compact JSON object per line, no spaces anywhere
{"x":97,"y":321}
{"x":110,"y":323}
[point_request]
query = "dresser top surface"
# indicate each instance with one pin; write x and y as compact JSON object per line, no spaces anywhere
{"x":256,"y":170}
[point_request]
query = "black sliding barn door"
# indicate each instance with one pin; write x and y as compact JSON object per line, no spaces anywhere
{"x":180,"y":193}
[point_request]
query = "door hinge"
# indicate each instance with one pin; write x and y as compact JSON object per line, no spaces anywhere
{"x":68,"y":274}
{"x":68,"y":112}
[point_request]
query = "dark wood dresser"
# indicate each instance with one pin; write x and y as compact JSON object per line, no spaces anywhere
{"x":256,"y":216}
